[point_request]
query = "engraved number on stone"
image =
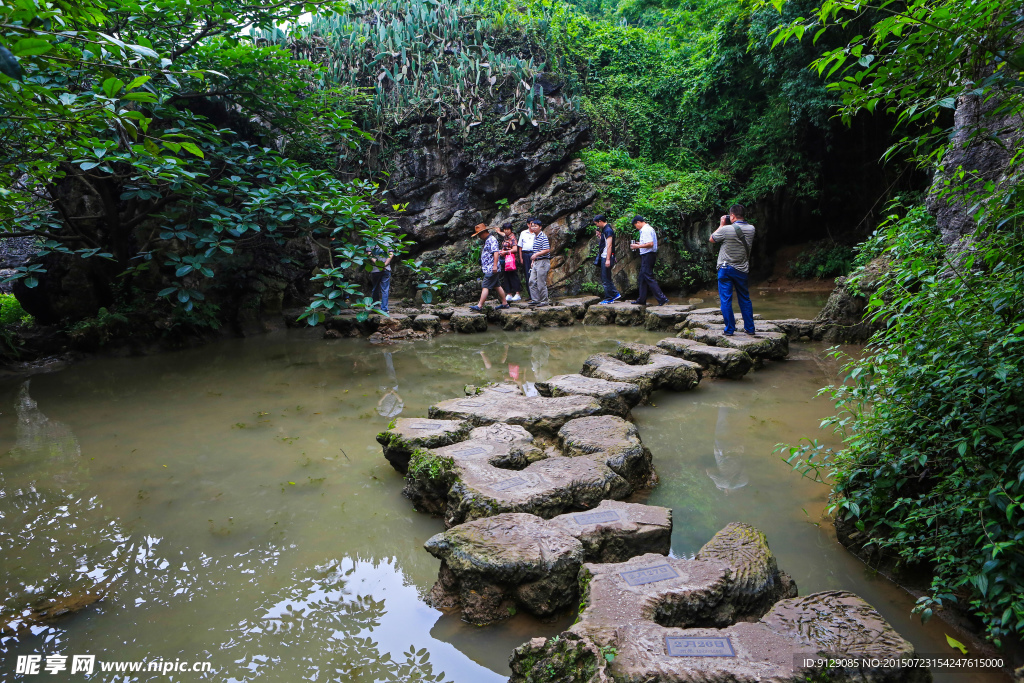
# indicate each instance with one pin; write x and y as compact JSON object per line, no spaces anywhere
{"x":639,"y":577}
{"x":596,"y":517}
{"x":424,"y":425}
{"x":691,"y":646}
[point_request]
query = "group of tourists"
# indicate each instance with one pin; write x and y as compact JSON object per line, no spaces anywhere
{"x":500,"y":262}
{"x":503,"y":254}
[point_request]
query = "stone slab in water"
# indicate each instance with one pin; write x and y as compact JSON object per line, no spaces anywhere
{"x":522,"y":318}
{"x":659,"y":372}
{"x":426,"y":322}
{"x":623,"y":314}
{"x":716,"y":361}
{"x":499,"y":469}
{"x":613,"y":441}
{"x":408,"y":434}
{"x":617,"y":398}
{"x":468,"y":322}
{"x":765,"y":346}
{"x":665,"y":317}
{"x":495,"y":566}
{"x":579,"y":305}
{"x":538,"y":414}
{"x":797,"y":328}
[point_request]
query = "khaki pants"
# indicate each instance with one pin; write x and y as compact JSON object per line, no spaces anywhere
{"x":539,"y":280}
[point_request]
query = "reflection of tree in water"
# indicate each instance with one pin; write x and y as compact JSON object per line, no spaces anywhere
{"x":730,"y":474}
{"x":322,"y":607}
{"x":59,"y":552}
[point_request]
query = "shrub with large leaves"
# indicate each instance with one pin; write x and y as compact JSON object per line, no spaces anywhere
{"x":150,"y":135}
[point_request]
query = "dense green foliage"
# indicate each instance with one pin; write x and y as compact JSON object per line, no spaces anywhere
{"x":823,"y":260}
{"x":146,"y":135}
{"x":11,"y":312}
{"x":932,"y":465}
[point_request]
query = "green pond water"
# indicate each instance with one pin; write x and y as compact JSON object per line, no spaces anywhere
{"x":235,"y":503}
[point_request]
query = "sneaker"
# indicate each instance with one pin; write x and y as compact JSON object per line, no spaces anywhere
{"x":663,"y":303}
{"x":498,"y":308}
{"x":638,"y":303}
{"x":605,"y":301}
{"x":728,"y":334}
{"x":614,"y":299}
{"x":514,"y":297}
{"x":541,"y":303}
{"x":475,"y":308}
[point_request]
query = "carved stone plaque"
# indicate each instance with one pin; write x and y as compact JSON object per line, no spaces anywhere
{"x":659,"y":572}
{"x":424,"y":425}
{"x":507,"y":484}
{"x":596,"y":517}
{"x":697,"y":646}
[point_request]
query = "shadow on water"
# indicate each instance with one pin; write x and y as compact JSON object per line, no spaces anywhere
{"x":232,"y":505}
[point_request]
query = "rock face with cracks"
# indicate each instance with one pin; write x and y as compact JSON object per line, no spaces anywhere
{"x":615,"y":397}
{"x":408,"y":434}
{"x":622,"y":314}
{"x":648,"y":371}
{"x":493,"y":567}
{"x":715,"y":361}
{"x":540,"y":415}
{"x":500,"y":469}
{"x":674,"y":620}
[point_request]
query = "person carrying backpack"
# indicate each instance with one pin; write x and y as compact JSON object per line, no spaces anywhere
{"x":736,"y":236}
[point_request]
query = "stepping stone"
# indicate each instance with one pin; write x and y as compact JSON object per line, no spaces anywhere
{"x":425,"y":322}
{"x":671,"y":619}
{"x":518,"y":318}
{"x":555,"y":316}
{"x":402,"y":320}
{"x":716,"y":361}
{"x":796,"y":328}
{"x":494,"y":567}
{"x":765,"y":346}
{"x":660,"y":371}
{"x":610,"y":440}
{"x":617,"y":398}
{"x":624,"y":314}
{"x":494,"y":388}
{"x":538,"y":414}
{"x":410,"y":433}
{"x":467,"y":322}
{"x":500,"y":469}
{"x":666,"y":317}
{"x":579,"y":304}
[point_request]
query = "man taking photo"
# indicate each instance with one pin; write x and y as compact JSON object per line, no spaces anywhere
{"x":735,"y":235}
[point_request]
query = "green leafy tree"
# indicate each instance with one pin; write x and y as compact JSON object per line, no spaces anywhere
{"x":933,"y":461}
{"x":160,"y":141}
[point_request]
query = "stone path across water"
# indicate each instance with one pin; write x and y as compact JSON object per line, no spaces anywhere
{"x":530,"y":488}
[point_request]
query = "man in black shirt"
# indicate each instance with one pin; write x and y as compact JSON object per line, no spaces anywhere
{"x":606,"y":258}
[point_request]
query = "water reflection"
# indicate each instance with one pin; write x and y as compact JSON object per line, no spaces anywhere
{"x":390,"y":404}
{"x":730,"y":473}
{"x":60,"y":552}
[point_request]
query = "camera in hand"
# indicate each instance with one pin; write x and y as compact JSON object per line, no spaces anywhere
{"x":727,"y":219}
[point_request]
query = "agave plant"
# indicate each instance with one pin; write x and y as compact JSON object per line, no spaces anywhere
{"x":416,"y":58}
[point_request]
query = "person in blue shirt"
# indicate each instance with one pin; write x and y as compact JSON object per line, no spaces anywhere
{"x":606,"y":258}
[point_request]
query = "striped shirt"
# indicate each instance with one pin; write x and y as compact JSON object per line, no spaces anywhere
{"x":540,"y":243}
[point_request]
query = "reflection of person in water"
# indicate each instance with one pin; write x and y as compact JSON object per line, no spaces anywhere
{"x":390,"y":404}
{"x":730,"y":474}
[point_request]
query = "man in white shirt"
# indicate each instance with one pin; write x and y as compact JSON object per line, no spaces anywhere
{"x":647,"y":245}
{"x":526,"y":245}
{"x":736,"y":236}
